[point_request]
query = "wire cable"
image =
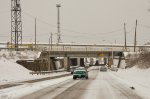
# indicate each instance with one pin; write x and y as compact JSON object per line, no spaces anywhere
{"x":72,"y":31}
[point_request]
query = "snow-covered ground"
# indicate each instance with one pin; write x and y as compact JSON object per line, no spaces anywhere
{"x":137,"y":78}
{"x":14,"y":55}
{"x":12,"y":72}
{"x":27,"y":88}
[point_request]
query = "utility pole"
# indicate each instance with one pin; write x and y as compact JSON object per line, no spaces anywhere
{"x":112,"y":56}
{"x":49,"y":58}
{"x":35,"y":33}
{"x":125,"y":44}
{"x":58,"y":24}
{"x":51,"y":40}
{"x":16,"y":24}
{"x":135,"y":36}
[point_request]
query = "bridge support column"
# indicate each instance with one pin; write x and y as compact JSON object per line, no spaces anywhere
{"x":51,"y":63}
{"x":67,"y":63}
{"x":82,"y":62}
{"x":120,"y":55}
{"x":73,"y":61}
{"x":78,"y":61}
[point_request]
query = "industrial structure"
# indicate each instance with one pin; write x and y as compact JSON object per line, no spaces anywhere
{"x":16,"y":23}
{"x":58,"y":24}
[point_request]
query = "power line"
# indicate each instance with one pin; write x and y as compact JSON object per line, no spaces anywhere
{"x":80,"y":34}
{"x":146,"y":26}
{"x":72,"y":31}
{"x":38,"y":19}
{"x":129,"y":31}
{"x":54,"y":26}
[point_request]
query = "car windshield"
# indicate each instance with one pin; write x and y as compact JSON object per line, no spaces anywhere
{"x":79,"y":72}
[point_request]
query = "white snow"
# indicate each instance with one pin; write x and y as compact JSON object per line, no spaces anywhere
{"x":137,"y":78}
{"x":13,"y":55}
{"x":122,"y":63}
{"x":25,"y":89}
{"x":12,"y":72}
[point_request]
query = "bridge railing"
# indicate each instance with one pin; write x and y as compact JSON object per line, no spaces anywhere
{"x":82,"y":48}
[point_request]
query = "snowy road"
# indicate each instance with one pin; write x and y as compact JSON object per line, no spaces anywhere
{"x":100,"y":85}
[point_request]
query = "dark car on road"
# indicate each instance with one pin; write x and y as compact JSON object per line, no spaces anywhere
{"x":103,"y":68}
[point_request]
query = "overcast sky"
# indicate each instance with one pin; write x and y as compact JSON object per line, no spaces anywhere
{"x":82,"y":21}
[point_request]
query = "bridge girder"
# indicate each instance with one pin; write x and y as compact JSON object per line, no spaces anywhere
{"x":80,"y":53}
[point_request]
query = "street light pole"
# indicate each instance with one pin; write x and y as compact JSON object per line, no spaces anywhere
{"x":35,"y":34}
{"x":135,"y":42}
{"x":125,"y":45}
{"x":49,"y":60}
{"x":50,"y":49}
{"x":58,"y":24}
{"x":112,"y":56}
{"x":51,"y":40}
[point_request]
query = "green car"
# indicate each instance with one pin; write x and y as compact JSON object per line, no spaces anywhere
{"x":80,"y":74}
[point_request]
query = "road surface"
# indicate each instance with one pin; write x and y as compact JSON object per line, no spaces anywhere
{"x":100,"y":85}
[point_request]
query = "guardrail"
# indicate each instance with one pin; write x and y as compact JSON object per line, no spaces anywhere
{"x":69,"y":47}
{"x":46,"y":72}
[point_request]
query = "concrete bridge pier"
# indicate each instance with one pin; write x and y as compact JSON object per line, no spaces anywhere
{"x":72,"y":62}
{"x":119,"y":62}
{"x":82,"y":62}
{"x":67,"y":63}
{"x":77,"y":61}
{"x":51,"y":64}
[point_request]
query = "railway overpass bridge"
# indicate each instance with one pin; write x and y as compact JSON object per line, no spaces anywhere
{"x":50,"y":52}
{"x":69,"y":52}
{"x":75,"y":47}
{"x":89,"y":47}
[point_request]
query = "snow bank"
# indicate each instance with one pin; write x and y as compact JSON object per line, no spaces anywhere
{"x":10,"y":71}
{"x":16,"y":55}
{"x":23,"y":90}
{"x":122,"y":63}
{"x":138,"y":78}
{"x":131,"y":53}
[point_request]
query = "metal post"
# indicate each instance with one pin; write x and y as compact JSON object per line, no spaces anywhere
{"x":49,"y":43}
{"x":125,"y":45}
{"x":51,"y":40}
{"x":58,"y":24}
{"x":49,"y":61}
{"x":50,"y":49}
{"x":135,"y":36}
{"x":112,"y":53}
{"x":35,"y":33}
